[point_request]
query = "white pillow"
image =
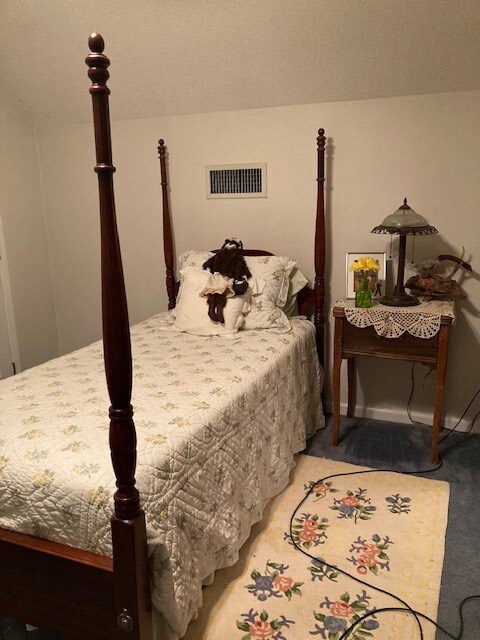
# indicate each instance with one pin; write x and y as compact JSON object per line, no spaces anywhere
{"x":192,"y":309}
{"x":265,"y":309}
{"x":193,"y":259}
{"x":189,"y":259}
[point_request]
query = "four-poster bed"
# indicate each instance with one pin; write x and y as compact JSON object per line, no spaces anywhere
{"x":48,"y":580}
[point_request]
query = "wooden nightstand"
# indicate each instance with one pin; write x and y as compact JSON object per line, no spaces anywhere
{"x":351,"y":341}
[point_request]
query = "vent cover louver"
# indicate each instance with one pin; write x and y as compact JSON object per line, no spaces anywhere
{"x":237,"y":181}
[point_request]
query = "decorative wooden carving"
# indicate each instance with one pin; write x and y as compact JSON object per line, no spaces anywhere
{"x":131,"y":572}
{"x":167,"y":228}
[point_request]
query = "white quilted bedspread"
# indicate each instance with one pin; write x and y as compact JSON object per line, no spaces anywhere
{"x":217,"y":423}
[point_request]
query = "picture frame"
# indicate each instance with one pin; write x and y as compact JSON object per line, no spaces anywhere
{"x":376,"y":281}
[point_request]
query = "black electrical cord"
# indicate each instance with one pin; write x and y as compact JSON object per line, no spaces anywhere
{"x":472,"y":424}
{"x":412,"y":391}
{"x":450,"y":431}
{"x":406,"y":607}
{"x":416,"y":613}
{"x":312,"y":557}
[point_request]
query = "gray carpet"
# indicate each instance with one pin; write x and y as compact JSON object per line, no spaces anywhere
{"x":389,"y":445}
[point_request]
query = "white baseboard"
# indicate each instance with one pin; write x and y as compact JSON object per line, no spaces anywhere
{"x":400,"y":415}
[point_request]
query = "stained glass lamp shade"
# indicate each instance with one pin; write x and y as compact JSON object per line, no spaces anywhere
{"x":404,"y":221}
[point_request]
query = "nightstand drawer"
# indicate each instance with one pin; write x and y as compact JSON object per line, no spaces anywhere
{"x":367,"y":342}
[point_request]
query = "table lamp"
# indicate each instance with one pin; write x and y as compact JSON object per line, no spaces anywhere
{"x":404,"y":221}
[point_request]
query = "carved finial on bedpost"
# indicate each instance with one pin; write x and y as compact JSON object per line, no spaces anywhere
{"x":98,"y":64}
{"x":96,"y":43}
{"x":321,"y":139}
{"x":319,"y":288}
{"x":167,"y":227}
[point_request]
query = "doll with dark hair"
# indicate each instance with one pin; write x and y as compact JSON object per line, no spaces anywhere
{"x":229,"y":277}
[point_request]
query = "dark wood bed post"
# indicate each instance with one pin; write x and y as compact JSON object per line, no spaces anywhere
{"x":167,"y":228}
{"x":130,"y":558}
{"x":319,"y":286}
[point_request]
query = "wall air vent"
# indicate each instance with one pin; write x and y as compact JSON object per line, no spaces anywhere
{"x":237,"y":181}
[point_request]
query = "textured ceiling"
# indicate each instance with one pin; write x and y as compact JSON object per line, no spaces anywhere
{"x":193,"y":56}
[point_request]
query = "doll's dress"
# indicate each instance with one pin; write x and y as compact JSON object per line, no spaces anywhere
{"x":217,"y":283}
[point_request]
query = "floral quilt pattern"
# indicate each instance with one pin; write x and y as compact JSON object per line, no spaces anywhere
{"x":217,"y":425}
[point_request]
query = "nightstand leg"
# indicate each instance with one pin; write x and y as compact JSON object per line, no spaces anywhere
{"x":337,"y":366}
{"x":352,"y":387}
{"x":440,"y":388}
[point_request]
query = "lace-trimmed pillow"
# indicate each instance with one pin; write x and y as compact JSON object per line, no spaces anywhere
{"x":265,"y":309}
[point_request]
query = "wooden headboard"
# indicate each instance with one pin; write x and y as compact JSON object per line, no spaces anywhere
{"x":311,"y":302}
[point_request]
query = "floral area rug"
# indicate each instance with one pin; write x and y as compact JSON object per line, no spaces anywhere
{"x":385,"y":529}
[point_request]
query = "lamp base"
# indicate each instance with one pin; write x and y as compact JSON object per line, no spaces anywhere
{"x":399,"y":298}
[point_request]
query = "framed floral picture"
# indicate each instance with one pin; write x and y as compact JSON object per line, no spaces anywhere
{"x":366,"y":266}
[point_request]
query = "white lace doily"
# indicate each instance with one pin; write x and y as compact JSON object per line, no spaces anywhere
{"x":422,"y":321}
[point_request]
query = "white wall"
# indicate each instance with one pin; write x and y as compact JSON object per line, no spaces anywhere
{"x":22,"y":213}
{"x":424,"y":147}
